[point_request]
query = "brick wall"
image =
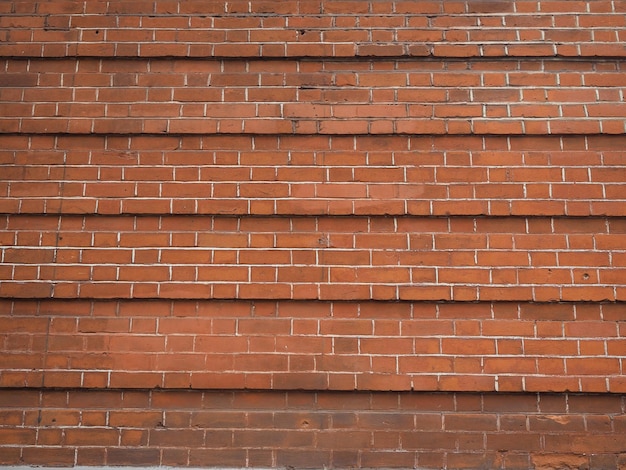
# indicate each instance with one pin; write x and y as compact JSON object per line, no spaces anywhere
{"x":313,"y":233}
{"x":312,"y":430}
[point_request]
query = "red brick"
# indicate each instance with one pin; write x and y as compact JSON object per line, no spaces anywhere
{"x":427,"y":251}
{"x":48,"y":456}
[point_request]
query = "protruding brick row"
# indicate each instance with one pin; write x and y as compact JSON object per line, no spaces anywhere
{"x":329,"y":28}
{"x":89,"y":96}
{"x":320,"y":9}
{"x":313,"y":345}
{"x":381,"y":258}
{"x":316,"y":175}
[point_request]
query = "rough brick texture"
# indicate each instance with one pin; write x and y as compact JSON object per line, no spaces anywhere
{"x":304,"y":430}
{"x":313,"y":233}
{"x":423,"y":346}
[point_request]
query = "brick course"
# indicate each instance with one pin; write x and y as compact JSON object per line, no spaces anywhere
{"x":333,"y":429}
{"x":314,"y":345}
{"x":529,"y":97}
{"x":309,"y":234}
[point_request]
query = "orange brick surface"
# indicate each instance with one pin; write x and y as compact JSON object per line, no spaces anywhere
{"x":313,"y":233}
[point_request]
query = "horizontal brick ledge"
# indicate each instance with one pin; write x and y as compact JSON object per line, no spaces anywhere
{"x":362,"y":382}
{"x":286,"y":207}
{"x":279,"y":8}
{"x":608,"y":51}
{"x":338,"y":127}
